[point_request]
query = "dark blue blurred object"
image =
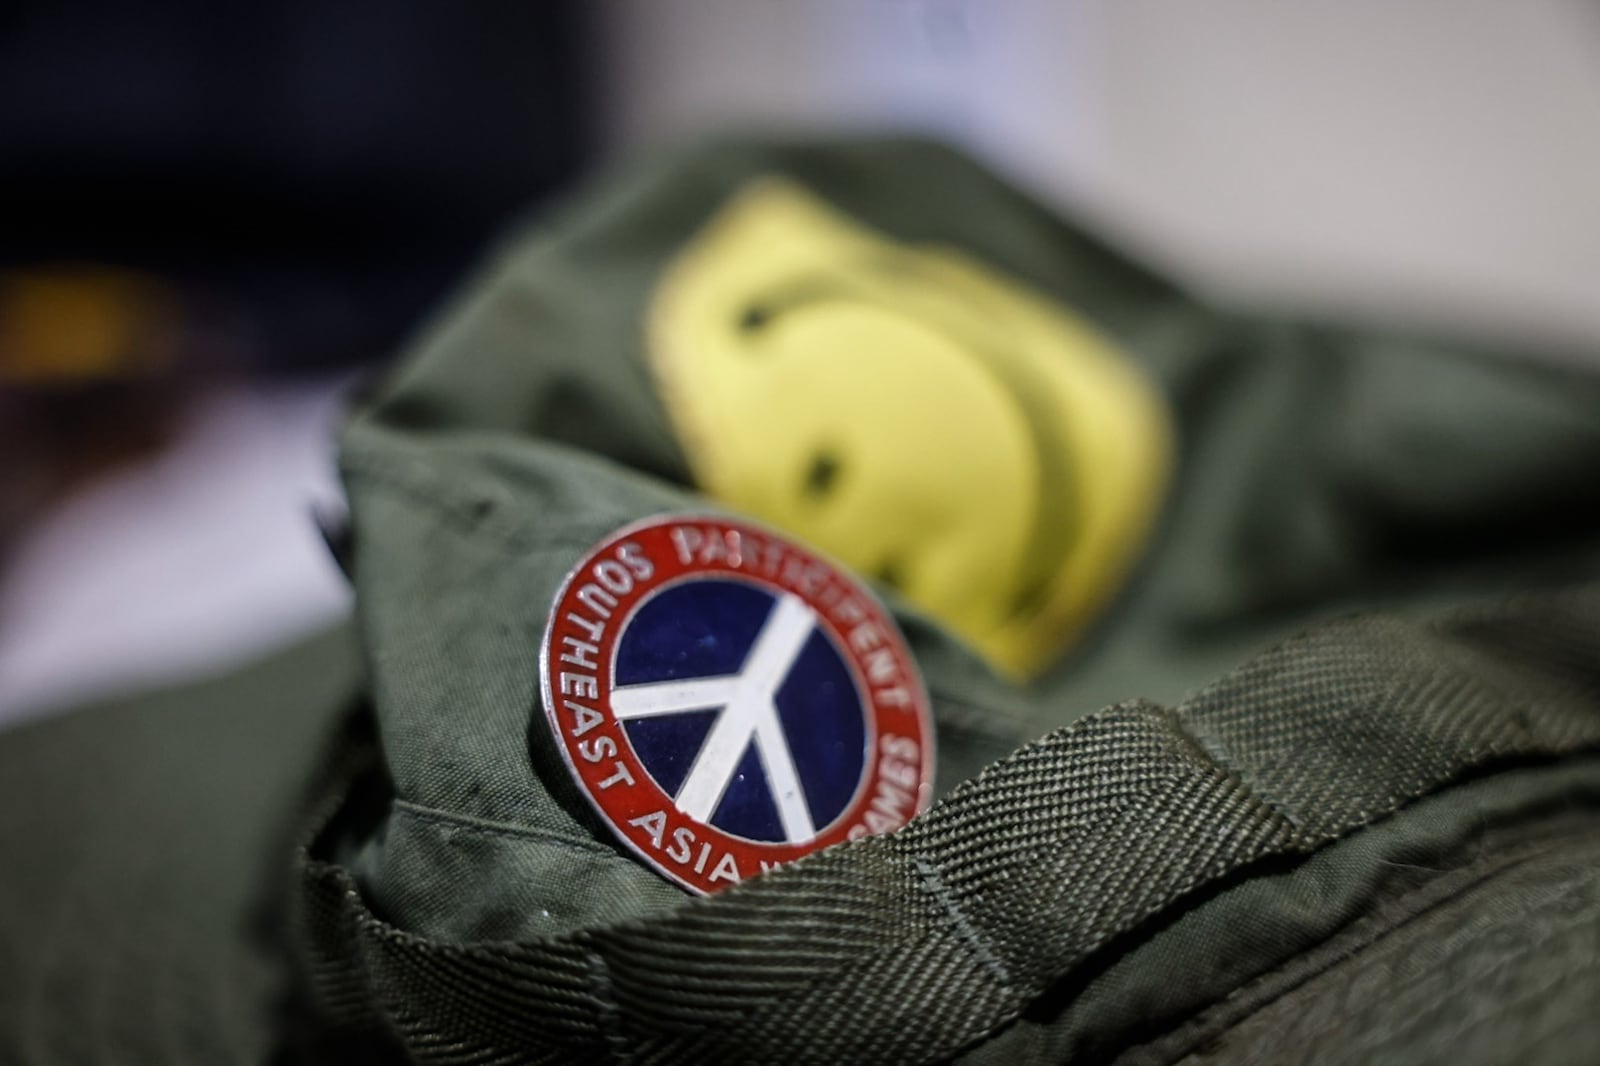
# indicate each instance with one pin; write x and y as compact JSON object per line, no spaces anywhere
{"x":310,"y":175}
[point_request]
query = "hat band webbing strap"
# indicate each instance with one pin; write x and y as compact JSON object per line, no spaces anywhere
{"x":911,"y":946}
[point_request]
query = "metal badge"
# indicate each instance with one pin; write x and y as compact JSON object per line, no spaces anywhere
{"x":729,"y":701}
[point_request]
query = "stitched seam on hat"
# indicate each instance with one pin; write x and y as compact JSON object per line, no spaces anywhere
{"x":1213,"y":754}
{"x":966,"y":932}
{"x":470,"y":824}
{"x":605,"y":994}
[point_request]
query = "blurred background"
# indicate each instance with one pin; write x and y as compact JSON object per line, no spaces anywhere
{"x":215,"y":222}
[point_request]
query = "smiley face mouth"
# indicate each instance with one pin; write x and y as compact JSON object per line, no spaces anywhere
{"x":888,"y":284}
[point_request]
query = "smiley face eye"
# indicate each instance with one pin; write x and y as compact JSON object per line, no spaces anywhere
{"x":891,"y":573}
{"x":821,"y":475}
{"x":754,"y":318}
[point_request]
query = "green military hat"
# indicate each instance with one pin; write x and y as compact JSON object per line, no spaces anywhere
{"x":1259,"y":659}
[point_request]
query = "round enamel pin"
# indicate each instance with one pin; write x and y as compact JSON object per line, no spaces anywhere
{"x":729,"y":701}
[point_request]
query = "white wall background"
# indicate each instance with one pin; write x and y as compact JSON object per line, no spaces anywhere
{"x":1437,"y":160}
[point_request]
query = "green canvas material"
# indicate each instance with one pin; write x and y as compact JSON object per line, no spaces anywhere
{"x":144,"y":885}
{"x":1354,"y":679}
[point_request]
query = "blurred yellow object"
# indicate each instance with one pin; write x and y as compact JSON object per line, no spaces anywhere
{"x":914,"y":413}
{"x":75,"y":324}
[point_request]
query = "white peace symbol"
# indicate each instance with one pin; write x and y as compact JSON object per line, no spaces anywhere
{"x":748,"y":713}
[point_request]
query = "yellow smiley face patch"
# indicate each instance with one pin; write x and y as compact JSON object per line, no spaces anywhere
{"x":921,"y":417}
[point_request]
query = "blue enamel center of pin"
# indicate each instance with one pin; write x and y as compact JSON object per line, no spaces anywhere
{"x":706,"y":628}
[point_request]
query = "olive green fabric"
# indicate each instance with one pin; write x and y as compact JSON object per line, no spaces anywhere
{"x":143,"y":864}
{"x":916,"y":945}
{"x":1254,"y":947}
{"x":1108,"y":889}
{"x":1495,"y":964}
{"x":1318,"y":472}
